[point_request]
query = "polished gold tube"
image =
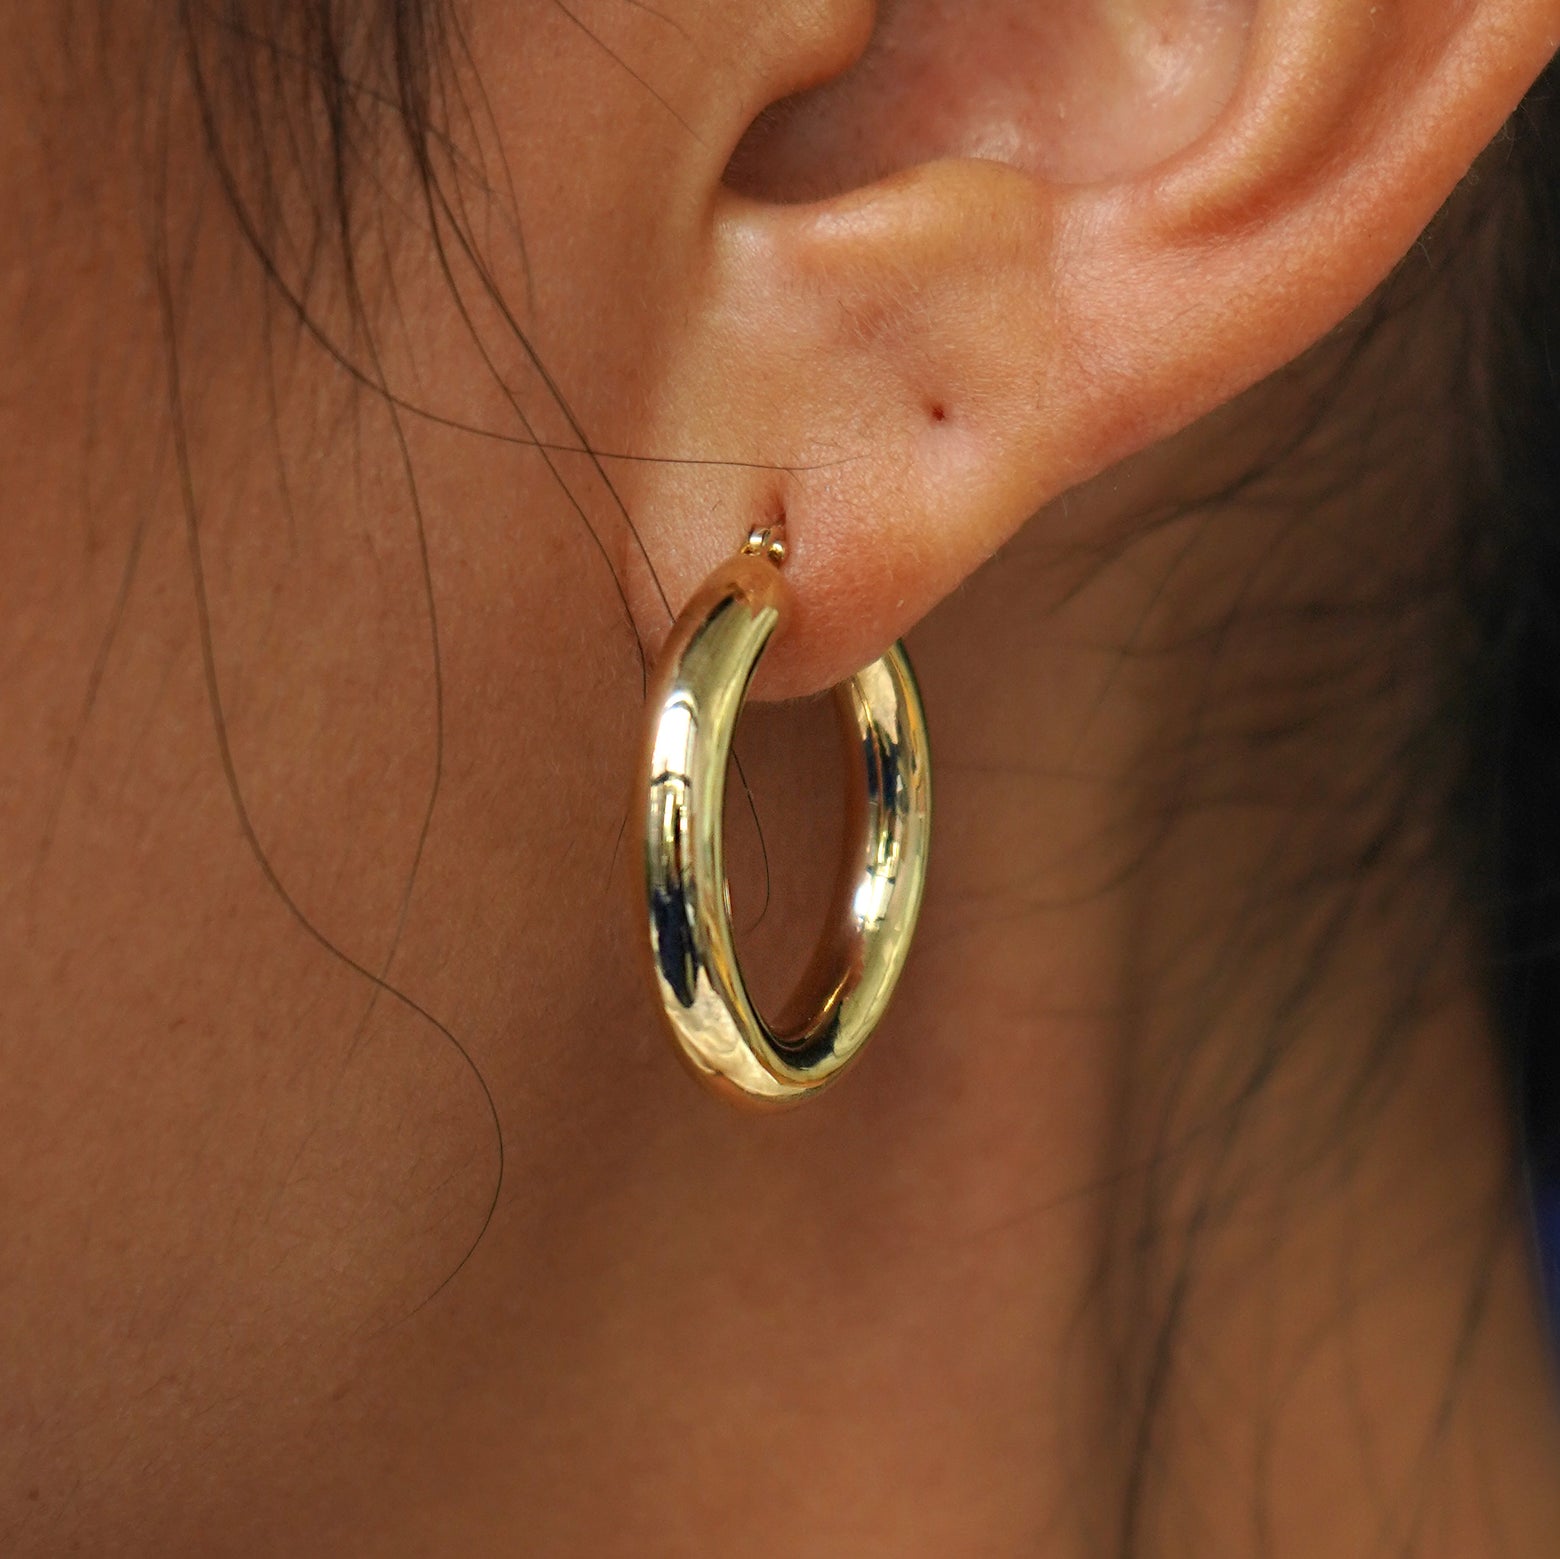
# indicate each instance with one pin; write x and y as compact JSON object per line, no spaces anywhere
{"x":695,"y":699}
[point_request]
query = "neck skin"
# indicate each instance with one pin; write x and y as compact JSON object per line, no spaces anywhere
{"x":1179,"y":1187}
{"x":1171,"y":1212}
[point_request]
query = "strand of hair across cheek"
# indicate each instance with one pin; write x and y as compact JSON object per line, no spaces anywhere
{"x":378,"y":979}
{"x":417,"y":34}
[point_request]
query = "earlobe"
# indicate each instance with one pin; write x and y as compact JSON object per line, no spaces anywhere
{"x":910,"y":367}
{"x":884,"y":348}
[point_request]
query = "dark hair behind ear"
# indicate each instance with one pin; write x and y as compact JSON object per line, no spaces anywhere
{"x":1513,"y":540}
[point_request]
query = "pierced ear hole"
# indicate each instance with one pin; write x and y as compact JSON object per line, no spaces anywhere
{"x":937,"y":411}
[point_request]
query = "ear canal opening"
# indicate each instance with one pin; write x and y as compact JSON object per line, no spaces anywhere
{"x":1074,"y":92}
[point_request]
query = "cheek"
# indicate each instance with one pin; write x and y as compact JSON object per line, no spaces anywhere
{"x":234,"y":1163}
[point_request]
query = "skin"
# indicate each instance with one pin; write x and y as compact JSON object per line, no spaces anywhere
{"x":1171,"y":1210}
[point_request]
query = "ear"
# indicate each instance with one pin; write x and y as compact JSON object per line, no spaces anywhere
{"x":997,"y":254}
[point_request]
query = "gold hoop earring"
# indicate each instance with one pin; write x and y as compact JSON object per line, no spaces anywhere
{"x":695,"y":699}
